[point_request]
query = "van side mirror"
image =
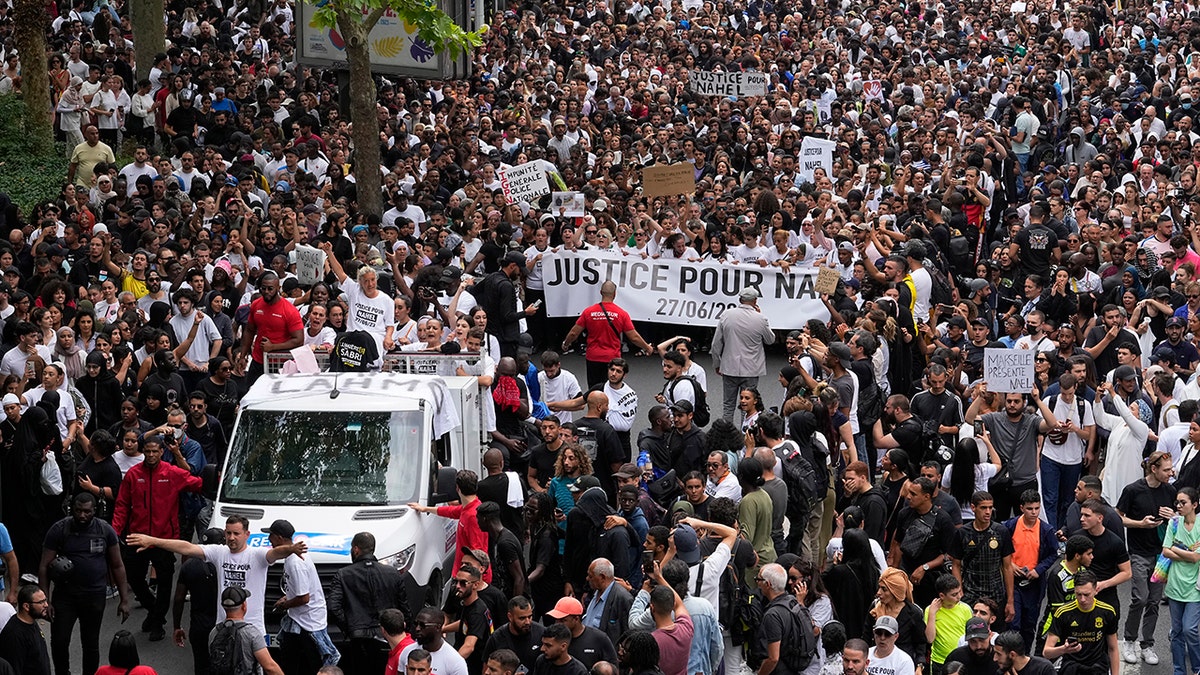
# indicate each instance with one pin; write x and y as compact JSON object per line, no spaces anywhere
{"x":210,"y":476}
{"x":446,"y":490}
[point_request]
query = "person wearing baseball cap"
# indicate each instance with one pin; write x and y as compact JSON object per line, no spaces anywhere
{"x":230,"y":636}
{"x":1186,"y":355}
{"x":304,"y":601}
{"x":588,"y":645}
{"x":885,"y":655}
{"x":976,"y":654}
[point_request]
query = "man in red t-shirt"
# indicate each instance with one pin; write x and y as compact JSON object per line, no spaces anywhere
{"x":391,"y":623}
{"x":274,"y":326}
{"x":605,"y":323}
{"x":469,"y":534}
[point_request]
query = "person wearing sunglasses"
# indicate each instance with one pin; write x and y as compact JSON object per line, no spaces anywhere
{"x":885,"y":657}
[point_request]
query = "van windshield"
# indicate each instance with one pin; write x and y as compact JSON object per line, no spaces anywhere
{"x":319,"y":457}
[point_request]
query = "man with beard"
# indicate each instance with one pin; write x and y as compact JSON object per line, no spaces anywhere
{"x":274,"y":325}
{"x":21,"y":641}
{"x":474,"y":619}
{"x":91,"y":545}
{"x":976,"y":655}
{"x":521,"y":634}
{"x":1013,"y":657}
{"x":1014,"y":433}
{"x":498,"y":297}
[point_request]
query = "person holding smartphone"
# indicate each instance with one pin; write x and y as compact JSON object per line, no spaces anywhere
{"x":1145,"y":507}
{"x":1084,"y":632}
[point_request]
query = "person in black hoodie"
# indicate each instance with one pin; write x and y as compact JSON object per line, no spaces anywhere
{"x":587,"y":539}
{"x":102,"y":392}
{"x":859,"y":492}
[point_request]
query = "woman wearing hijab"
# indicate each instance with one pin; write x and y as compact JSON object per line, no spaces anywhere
{"x":102,"y":391}
{"x":69,"y":352}
{"x":70,"y":113}
{"x":26,"y":513}
{"x":587,"y":539}
{"x":895,"y":599}
{"x":802,"y":429}
{"x":850,"y":580}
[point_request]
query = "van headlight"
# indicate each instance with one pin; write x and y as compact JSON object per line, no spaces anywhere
{"x":402,"y":560}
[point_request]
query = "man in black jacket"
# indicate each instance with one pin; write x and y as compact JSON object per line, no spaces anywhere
{"x":497,"y":295}
{"x":358,"y":592}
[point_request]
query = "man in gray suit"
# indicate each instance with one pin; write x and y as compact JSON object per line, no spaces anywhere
{"x":738,"y":349}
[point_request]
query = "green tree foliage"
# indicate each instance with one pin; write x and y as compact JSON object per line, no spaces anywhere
{"x":30,"y":170}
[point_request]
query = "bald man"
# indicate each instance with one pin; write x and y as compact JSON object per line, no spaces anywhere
{"x":503,"y":488}
{"x":605,"y":324}
{"x":601,"y":442}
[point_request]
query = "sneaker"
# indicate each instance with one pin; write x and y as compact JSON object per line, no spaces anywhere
{"x":1130,"y":652}
{"x":157,"y":635}
{"x":1149,"y":656}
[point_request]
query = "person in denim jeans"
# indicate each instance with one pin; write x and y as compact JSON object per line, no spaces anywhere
{"x":1065,"y":449}
{"x":1180,"y":546}
{"x":304,"y":631}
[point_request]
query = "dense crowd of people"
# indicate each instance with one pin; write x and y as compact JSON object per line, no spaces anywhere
{"x":1005,"y":177}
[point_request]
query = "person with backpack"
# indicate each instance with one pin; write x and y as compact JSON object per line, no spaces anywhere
{"x":236,"y":647}
{"x":686,"y":442}
{"x":680,"y":387}
{"x":738,"y":352}
{"x":786,"y":641}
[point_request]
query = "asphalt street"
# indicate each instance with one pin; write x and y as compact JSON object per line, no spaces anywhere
{"x":646,"y":378}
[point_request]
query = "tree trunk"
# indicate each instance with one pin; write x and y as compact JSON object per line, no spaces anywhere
{"x":356,"y":33}
{"x":149,"y":33}
{"x":35,"y":71}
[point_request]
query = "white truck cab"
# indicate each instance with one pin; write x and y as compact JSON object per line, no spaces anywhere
{"x":338,"y":454}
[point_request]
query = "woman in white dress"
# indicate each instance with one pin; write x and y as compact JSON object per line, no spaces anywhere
{"x":1127,"y":438}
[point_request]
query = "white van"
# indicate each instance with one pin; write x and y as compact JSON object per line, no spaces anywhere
{"x":338,"y":454}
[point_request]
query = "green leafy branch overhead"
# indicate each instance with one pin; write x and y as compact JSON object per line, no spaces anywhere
{"x":434,"y":26}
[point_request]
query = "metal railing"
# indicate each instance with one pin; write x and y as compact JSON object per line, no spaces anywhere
{"x":411,"y":363}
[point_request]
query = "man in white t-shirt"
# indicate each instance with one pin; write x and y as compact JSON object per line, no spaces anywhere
{"x":236,"y":563}
{"x":444,"y":659}
{"x":304,"y":600}
{"x":885,"y":658}
{"x":370,"y":309}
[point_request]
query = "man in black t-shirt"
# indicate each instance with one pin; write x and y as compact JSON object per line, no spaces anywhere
{"x":543,"y":456}
{"x":1110,"y":559}
{"x":556,"y":657}
{"x":587,"y":645}
{"x":935,"y":405}
{"x":197,"y":577}
{"x":1012,"y":656}
{"x":922,"y":540}
{"x":521,"y":634}
{"x":474,"y":620}
{"x":1102,"y":341}
{"x":980,"y":332}
{"x":601,"y":442}
{"x":1146,"y":506}
{"x":21,"y":641}
{"x":504,"y":548}
{"x":976,"y":656}
{"x":91,"y":545}
{"x":1084,"y":632}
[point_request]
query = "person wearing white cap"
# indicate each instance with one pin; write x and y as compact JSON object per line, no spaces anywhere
{"x":738,"y":348}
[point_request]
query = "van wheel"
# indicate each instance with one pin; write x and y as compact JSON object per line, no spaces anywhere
{"x":433,"y":589}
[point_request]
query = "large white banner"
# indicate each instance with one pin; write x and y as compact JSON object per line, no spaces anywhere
{"x":677,"y":291}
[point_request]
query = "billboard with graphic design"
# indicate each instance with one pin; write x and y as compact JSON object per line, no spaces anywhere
{"x":396,"y":48}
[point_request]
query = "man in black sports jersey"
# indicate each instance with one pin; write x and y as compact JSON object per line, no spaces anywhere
{"x":1084,"y":632}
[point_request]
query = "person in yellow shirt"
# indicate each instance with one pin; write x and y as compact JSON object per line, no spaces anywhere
{"x":85,"y":157}
{"x":945,"y":620}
